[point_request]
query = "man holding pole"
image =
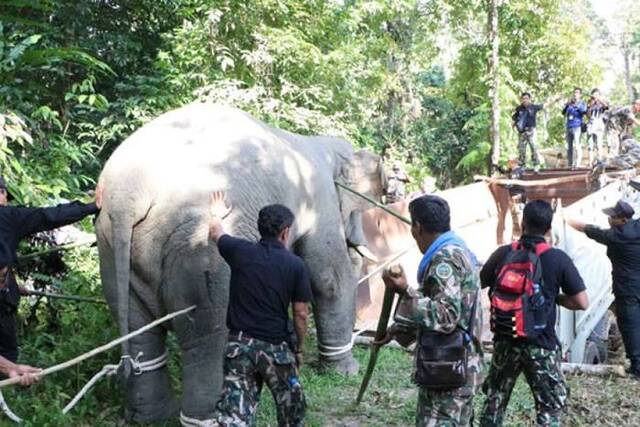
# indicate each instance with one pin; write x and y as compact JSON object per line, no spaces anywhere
{"x":17,"y":222}
{"x":446,"y":314}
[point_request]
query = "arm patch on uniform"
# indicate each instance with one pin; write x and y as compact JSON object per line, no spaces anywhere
{"x":444,"y":271}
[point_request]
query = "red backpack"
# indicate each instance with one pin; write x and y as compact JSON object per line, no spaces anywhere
{"x":519,"y":308}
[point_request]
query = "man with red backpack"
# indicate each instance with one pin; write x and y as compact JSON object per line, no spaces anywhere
{"x":525,"y":280}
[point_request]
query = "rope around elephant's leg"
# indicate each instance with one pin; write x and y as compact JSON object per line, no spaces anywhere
{"x":138,"y":367}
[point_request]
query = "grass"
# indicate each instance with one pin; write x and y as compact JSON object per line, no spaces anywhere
{"x":389,"y":401}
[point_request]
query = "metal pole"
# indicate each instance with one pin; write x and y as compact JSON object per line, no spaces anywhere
{"x":375,"y":203}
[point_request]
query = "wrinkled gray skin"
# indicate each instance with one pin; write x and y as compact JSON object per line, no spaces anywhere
{"x":154,"y":248}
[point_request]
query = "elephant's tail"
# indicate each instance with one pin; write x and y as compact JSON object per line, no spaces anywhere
{"x":122,"y":231}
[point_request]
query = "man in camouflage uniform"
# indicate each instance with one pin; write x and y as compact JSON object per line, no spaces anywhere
{"x":444,"y":303}
{"x":620,"y":122}
{"x":629,"y":156}
{"x":396,"y":184}
{"x":266,"y":279}
{"x":538,"y":358}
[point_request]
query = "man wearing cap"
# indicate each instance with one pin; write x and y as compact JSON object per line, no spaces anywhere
{"x":445,"y":305}
{"x":17,"y":222}
{"x":622,"y":240}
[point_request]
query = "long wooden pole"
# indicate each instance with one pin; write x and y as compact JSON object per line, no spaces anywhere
{"x":101,"y":349}
{"x":375,"y":203}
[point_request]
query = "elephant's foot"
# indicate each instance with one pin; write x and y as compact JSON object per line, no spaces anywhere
{"x":150,"y":398}
{"x":345,"y":365}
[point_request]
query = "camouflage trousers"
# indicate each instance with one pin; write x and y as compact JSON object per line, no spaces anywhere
{"x":249,"y":363}
{"x":450,"y":408}
{"x":541,"y":369}
{"x":528,"y":137}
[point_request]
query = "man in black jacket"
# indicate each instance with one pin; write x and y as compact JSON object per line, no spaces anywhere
{"x":623,"y":249}
{"x":524,"y":121}
{"x":17,"y":222}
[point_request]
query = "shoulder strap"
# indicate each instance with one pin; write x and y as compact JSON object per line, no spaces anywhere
{"x":472,"y":319}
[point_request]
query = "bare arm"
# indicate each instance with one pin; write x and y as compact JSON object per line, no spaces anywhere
{"x":300,"y":315}
{"x":27,"y":374}
{"x":575,"y":224}
{"x":579,"y":301}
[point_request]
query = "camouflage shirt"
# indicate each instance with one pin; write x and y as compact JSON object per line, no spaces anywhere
{"x":445,"y":301}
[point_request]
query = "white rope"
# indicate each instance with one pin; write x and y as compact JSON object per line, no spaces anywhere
{"x":337,"y":351}
{"x":193,"y":422}
{"x":8,"y":412}
{"x":107,"y":370}
{"x":139,"y":368}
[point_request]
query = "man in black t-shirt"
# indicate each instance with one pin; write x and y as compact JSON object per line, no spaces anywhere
{"x":266,"y":279}
{"x":539,"y":358}
{"x":623,"y":249}
{"x":524,"y":121}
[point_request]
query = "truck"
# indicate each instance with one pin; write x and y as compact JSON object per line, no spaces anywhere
{"x":487,"y":214}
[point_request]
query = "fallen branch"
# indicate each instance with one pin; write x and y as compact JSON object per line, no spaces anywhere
{"x":597,"y":370}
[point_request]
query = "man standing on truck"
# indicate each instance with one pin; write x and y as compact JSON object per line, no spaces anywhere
{"x":574,"y":110}
{"x":622,"y":240}
{"x":524,"y":121}
{"x":524,"y":281}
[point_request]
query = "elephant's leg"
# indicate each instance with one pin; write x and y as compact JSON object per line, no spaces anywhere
{"x":334,"y":289}
{"x":149,"y":396}
{"x":202,"y":334}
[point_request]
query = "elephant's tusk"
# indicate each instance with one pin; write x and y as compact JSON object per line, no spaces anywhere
{"x":366,"y":253}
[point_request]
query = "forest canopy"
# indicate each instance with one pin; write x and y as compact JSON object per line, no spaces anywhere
{"x":406,"y":78}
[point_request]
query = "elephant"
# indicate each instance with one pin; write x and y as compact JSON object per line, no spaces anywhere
{"x":156,"y":257}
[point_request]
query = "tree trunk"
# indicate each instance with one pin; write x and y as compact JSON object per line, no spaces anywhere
{"x":494,"y":76}
{"x":626,"y":53}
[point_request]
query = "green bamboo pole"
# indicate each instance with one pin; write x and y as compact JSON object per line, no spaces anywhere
{"x":56,"y":249}
{"x":66,"y":297}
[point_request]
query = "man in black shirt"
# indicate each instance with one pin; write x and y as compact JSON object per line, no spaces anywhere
{"x":623,"y":249}
{"x":266,"y":279}
{"x":524,"y":121}
{"x":538,"y":358}
{"x":17,"y":222}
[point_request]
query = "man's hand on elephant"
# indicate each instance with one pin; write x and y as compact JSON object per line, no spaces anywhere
{"x":99,"y":193}
{"x":218,"y":206}
{"x":218,"y":209}
{"x":395,"y":281}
